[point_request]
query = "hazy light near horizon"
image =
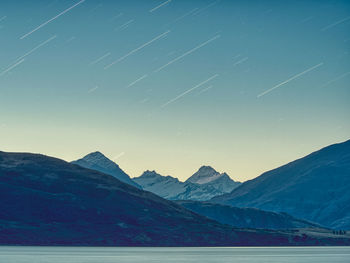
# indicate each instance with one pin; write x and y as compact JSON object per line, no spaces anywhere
{"x":174,"y":85}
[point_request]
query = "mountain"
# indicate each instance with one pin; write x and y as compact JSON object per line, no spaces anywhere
{"x":165,"y":186}
{"x":246,"y":217}
{"x":97,"y":161}
{"x":202,"y":186}
{"x":47,"y":201}
{"x":315,"y":187}
{"x":206,"y":175}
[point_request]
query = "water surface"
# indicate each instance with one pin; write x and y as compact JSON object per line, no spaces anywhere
{"x":203,"y":255}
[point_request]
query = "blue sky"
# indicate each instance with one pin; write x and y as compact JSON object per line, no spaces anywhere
{"x":59,"y":96}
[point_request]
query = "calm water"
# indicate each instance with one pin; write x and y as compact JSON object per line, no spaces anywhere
{"x":108,"y":255}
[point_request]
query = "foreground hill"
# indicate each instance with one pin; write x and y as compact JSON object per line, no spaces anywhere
{"x":47,"y":201}
{"x":203,"y":185}
{"x":97,"y":161}
{"x":315,"y":188}
{"x":246,"y":217}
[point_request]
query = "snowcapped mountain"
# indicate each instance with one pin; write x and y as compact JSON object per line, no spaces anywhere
{"x":165,"y":186}
{"x":46,"y":201}
{"x":98,"y":162}
{"x":208,"y":176}
{"x":205,"y":174}
{"x":203,"y":185}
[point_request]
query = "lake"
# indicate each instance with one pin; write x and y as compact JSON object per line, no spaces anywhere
{"x":131,"y":254}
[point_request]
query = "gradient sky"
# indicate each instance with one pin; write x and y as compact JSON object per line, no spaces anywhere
{"x":59,"y":97}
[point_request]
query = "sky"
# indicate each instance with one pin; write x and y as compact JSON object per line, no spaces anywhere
{"x":243,"y":86}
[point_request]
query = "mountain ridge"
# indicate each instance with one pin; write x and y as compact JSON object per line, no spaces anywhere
{"x":47,"y":201}
{"x":173,"y":189}
{"x":247,"y":217}
{"x":314,"y":187}
{"x":205,"y":174}
{"x":99,"y":162}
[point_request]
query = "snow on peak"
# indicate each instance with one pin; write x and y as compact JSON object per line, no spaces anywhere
{"x":171,"y":188}
{"x":150,"y":174}
{"x":204,"y":175}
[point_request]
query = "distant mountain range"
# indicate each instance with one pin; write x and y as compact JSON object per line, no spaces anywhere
{"x":314,"y":188}
{"x":203,"y":185}
{"x":47,"y":201}
{"x":97,"y":161}
{"x":246,"y":217}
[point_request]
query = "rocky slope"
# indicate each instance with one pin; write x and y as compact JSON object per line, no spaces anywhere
{"x":97,"y":161}
{"x":246,"y":217}
{"x":47,"y":201}
{"x":315,"y":188}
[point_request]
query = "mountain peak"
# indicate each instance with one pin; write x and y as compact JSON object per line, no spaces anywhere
{"x":95,"y":155}
{"x":207,"y":169}
{"x":203,"y":185}
{"x":205,"y":174}
{"x":99,"y":162}
{"x":99,"y":159}
{"x":149,"y":173}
